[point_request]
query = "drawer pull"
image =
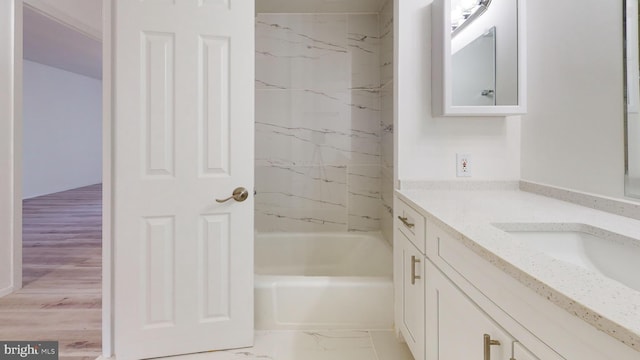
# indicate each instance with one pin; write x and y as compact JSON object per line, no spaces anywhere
{"x":414,"y":260}
{"x":487,"y":346}
{"x":406,"y":222}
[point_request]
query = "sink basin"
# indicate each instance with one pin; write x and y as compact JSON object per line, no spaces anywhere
{"x":612,"y":255}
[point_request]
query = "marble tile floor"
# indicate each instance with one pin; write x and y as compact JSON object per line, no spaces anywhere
{"x":315,"y":345}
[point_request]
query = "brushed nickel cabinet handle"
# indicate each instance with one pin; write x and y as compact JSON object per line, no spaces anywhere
{"x":239,"y":194}
{"x":488,"y":343}
{"x":414,"y":261}
{"x":406,"y":222}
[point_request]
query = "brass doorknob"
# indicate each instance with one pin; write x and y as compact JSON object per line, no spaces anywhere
{"x":239,"y":194}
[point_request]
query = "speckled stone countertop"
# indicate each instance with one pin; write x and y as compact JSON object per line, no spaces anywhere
{"x":604,"y":303}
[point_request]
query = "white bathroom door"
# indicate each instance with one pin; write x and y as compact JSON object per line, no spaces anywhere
{"x":183,"y":137}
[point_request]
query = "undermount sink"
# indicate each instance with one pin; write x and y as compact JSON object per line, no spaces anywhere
{"x":612,"y":255}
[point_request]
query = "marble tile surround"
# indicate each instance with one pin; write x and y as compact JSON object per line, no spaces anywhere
{"x":319,"y":132}
{"x":317,"y":51}
{"x":386,"y":40}
{"x":312,"y":345}
{"x":386,"y":160}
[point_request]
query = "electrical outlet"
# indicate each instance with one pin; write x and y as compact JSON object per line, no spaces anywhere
{"x":463,"y":165}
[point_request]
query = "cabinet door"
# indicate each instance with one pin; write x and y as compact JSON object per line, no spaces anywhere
{"x":521,"y":353}
{"x":459,"y":324}
{"x":412,"y":312}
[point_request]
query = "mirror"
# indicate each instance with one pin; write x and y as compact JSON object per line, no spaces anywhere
{"x":474,"y":72}
{"x":632,"y":103}
{"x":478,"y":57}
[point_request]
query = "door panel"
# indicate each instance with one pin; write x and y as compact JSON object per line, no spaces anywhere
{"x":158,"y":271}
{"x":413,"y":297}
{"x":183,"y":136}
{"x":461,"y":324}
{"x":158,"y":99}
{"x":214,"y":117}
{"x":214,"y":275}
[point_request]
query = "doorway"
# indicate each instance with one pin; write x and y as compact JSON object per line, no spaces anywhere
{"x":60,"y":153}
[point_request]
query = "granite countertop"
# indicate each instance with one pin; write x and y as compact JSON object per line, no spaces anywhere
{"x":604,"y":303}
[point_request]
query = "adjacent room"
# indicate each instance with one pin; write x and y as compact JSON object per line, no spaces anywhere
{"x":61,"y":187}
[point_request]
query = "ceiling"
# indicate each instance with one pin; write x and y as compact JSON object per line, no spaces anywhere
{"x":50,"y":42}
{"x":318,"y":6}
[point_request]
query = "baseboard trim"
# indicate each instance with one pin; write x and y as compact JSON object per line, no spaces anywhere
{"x":6,"y":291}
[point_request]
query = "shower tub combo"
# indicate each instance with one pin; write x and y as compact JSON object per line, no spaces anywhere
{"x":323,"y":281}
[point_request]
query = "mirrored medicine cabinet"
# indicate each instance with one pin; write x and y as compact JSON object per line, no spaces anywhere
{"x":478,"y":57}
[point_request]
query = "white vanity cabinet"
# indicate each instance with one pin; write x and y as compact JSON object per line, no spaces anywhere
{"x":459,"y":329}
{"x":409,"y":277}
{"x":470,"y":291}
{"x":411,"y":224}
{"x":412,"y":309}
{"x":461,"y":322}
{"x":439,"y":317}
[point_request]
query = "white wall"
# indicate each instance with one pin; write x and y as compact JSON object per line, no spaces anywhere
{"x":62,"y":143}
{"x":427,"y":145}
{"x":572,"y":136}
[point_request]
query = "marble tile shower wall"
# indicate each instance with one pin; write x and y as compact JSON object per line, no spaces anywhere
{"x":318,"y":122}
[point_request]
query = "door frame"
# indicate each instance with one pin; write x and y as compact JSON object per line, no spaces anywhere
{"x":107,"y":165}
{"x":11,"y":178}
{"x":107,"y":179}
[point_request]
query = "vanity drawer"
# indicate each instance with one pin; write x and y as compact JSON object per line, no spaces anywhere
{"x":411,"y":224}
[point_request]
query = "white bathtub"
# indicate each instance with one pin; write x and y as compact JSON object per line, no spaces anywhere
{"x":323,"y":281}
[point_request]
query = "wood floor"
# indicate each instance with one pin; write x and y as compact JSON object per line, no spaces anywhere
{"x":61,"y":297}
